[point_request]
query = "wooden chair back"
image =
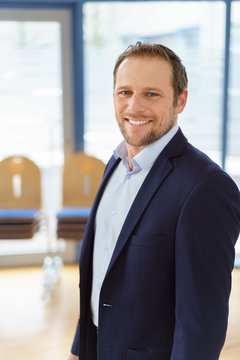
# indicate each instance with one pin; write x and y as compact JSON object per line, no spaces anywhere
{"x":82,"y":175}
{"x":20,"y":183}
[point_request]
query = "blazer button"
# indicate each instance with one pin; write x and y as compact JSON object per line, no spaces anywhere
{"x":107,"y":305}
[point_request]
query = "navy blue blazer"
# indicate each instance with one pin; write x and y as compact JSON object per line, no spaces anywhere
{"x":165,"y":294}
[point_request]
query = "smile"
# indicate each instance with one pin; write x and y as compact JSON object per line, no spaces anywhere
{"x":139,"y":122}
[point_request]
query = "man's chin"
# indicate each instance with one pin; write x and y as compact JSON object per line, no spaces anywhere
{"x":140,"y":143}
{"x":147,"y":140}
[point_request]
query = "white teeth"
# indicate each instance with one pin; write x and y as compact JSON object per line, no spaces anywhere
{"x":133,"y":122}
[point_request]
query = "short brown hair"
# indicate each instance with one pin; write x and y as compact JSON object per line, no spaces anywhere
{"x":179,"y":78}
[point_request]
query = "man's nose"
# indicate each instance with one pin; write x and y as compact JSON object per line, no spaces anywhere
{"x":136,"y":104}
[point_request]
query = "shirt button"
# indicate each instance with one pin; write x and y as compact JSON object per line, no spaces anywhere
{"x":105,"y":249}
{"x":107,"y":305}
{"x":114,"y":211}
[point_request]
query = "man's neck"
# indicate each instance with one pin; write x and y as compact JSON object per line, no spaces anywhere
{"x":133,"y":151}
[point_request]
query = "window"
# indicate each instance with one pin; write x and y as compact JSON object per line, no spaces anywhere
{"x":31,"y":91}
{"x":36,"y":101}
{"x":233,"y":151}
{"x":195,"y":30}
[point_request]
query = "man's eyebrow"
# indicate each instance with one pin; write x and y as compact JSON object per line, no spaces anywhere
{"x":154,"y":89}
{"x":148,"y":88}
{"x":122,"y":87}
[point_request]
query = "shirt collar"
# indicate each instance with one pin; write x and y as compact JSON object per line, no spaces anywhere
{"x":145,"y":158}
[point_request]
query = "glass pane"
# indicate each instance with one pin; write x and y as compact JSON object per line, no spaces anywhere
{"x":194,"y":30}
{"x":233,"y":153}
{"x":31,"y":91}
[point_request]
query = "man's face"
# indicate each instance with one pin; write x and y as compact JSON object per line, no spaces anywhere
{"x":143,"y":100}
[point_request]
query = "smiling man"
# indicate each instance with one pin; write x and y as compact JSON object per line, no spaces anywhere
{"x":158,"y":251}
{"x":144,"y":101}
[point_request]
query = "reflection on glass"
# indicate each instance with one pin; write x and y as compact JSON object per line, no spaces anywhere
{"x":195,"y":30}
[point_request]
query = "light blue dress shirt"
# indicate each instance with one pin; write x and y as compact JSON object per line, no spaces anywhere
{"x":115,"y":204}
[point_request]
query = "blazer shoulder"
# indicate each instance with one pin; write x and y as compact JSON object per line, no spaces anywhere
{"x":194,"y":161}
{"x":193,"y":166}
{"x":187,"y":157}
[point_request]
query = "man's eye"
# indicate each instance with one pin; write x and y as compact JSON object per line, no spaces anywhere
{"x":125,"y":92}
{"x":152,"y":94}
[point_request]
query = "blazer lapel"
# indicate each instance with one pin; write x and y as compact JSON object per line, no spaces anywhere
{"x":161,"y":168}
{"x":112,"y":164}
{"x":87,"y":245}
{"x":159,"y":171}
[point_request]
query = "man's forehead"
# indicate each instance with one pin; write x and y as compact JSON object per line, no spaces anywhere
{"x":144,"y":64}
{"x":144,"y":58}
{"x":144,"y":68}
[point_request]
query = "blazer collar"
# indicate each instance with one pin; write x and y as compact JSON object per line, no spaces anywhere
{"x":159,"y":171}
{"x":88,"y":242}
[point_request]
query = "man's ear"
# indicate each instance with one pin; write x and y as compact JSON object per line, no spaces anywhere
{"x":182,"y":100}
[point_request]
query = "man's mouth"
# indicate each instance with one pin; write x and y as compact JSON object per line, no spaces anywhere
{"x":138,"y":122}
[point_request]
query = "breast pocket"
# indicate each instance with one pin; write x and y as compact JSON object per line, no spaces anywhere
{"x":149,"y":354}
{"x":148,"y":240}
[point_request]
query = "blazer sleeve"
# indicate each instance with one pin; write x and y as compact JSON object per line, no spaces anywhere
{"x":75,"y":345}
{"x":206,"y":233}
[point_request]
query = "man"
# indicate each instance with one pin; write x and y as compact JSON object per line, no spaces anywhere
{"x":158,"y":250}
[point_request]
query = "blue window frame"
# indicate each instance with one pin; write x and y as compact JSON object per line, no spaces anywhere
{"x":77,"y":22}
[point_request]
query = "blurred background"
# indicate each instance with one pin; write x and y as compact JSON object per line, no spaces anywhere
{"x":56,"y":88}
